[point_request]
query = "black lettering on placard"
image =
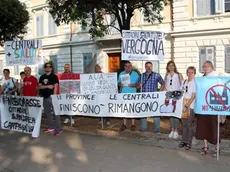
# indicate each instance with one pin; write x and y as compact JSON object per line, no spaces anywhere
{"x":19,"y":127}
{"x":21,"y":101}
{"x":140,"y":96}
{"x":23,"y":44}
{"x":80,"y":97}
{"x":59,"y":97}
{"x":143,"y":46}
{"x":23,"y":118}
{"x":95,"y":77}
{"x":113,"y":97}
{"x":81,"y":108}
{"x":132,"y":107}
{"x":19,"y":110}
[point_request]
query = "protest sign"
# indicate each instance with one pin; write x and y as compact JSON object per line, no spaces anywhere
{"x":98,"y":83}
{"x":68,"y":76}
{"x":23,"y":52}
{"x":69,"y":86}
{"x":136,"y":105}
{"x":142,"y":45}
{"x":68,"y":83}
{"x":212,"y":95}
{"x":22,"y":114}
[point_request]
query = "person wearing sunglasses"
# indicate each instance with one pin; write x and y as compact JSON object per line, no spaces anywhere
{"x":48,"y":85}
{"x":131,"y":77}
{"x":173,"y":81}
{"x":189,"y":88}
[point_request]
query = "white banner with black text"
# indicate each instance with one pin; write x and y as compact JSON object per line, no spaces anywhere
{"x":138,"y":45}
{"x":122,"y":105}
{"x":22,"y":114}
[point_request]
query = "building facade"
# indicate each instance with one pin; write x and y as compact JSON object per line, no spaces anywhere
{"x":197,"y":30}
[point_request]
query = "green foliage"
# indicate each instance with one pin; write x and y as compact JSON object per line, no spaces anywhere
{"x":91,"y":13}
{"x":13,"y":20}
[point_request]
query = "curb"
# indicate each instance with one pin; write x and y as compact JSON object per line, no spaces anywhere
{"x":154,"y":141}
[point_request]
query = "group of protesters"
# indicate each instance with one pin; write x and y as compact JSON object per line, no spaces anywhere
{"x":202,"y":126}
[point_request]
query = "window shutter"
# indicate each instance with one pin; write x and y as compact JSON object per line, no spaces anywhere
{"x":52,"y":26}
{"x":202,"y":57}
{"x":201,"y":7}
{"x":227,"y":59}
{"x":87,"y":58}
{"x":42,"y":25}
{"x":39,"y":26}
{"x":210,"y":54}
{"x":219,"y":6}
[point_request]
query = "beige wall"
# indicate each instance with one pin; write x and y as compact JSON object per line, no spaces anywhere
{"x":38,"y":2}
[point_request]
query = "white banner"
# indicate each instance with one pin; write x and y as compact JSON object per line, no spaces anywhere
{"x":69,"y":86}
{"x":98,"y":83}
{"x":142,"y":45}
{"x":22,"y":114}
{"x":23,"y":52}
{"x":135,"y":105}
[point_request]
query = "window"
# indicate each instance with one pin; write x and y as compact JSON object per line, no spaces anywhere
{"x":87,"y":59}
{"x":40,"y":26}
{"x":55,"y":63}
{"x":227,"y":59}
{"x":205,"y":7}
{"x":113,"y":22}
{"x":52,"y":26}
{"x":227,"y":6}
{"x":211,"y":7}
{"x":206,"y":53}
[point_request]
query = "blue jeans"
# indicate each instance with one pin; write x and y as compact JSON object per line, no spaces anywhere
{"x":143,"y":124}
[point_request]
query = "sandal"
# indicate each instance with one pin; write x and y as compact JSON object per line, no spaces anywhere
{"x":188,"y":146}
{"x":123,"y":127}
{"x":182,"y":144}
{"x":214,"y":154}
{"x":204,"y":151}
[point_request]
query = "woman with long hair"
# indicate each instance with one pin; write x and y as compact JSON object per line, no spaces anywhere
{"x":173,"y":81}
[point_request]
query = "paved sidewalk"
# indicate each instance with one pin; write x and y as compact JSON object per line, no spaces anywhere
{"x":162,"y":140}
{"x":73,"y":152}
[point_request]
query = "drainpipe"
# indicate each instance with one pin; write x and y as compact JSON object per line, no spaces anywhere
{"x":172,"y":29}
{"x":70,"y":39}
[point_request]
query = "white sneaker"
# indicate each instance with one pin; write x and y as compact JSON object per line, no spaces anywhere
{"x":171,"y":134}
{"x":72,"y":121}
{"x":175,"y":135}
{"x":66,"y":121}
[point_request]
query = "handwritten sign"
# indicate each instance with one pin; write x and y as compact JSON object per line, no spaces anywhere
{"x":68,"y":83}
{"x":69,"y":86}
{"x":22,"y":114}
{"x":23,"y":52}
{"x":68,"y":76}
{"x":142,"y":45}
{"x":135,"y":105}
{"x":98,"y":83}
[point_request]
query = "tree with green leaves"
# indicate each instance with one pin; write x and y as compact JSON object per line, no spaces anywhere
{"x":91,"y":13}
{"x":13,"y":20}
